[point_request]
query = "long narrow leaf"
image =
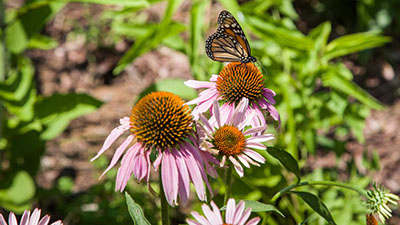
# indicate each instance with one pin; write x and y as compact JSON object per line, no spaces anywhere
{"x":135,"y":211}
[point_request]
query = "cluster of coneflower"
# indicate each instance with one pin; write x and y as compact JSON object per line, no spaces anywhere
{"x":225,"y":130}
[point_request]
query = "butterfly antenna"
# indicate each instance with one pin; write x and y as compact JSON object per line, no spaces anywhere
{"x":262,"y":67}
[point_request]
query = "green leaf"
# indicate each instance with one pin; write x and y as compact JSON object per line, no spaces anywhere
{"x":286,"y":159}
{"x":22,"y":189}
{"x":56,"y":111}
{"x":332,"y":79}
{"x":261,"y":207}
{"x":289,"y":38}
{"x":135,"y":211}
{"x":354,"y":43}
{"x":42,"y":42}
{"x":173,"y":85}
{"x":28,"y":21}
{"x":316,"y":204}
{"x":320,"y":35}
{"x":128,"y":3}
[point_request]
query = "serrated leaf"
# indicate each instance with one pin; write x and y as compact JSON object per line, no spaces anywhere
{"x":56,"y":111}
{"x":316,"y":204}
{"x":135,"y":211}
{"x":286,"y":159}
{"x":173,"y":85}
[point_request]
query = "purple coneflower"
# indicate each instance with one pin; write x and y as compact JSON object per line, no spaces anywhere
{"x":235,"y":215}
{"x":28,"y":219}
{"x":236,"y":81}
{"x":161,"y":123}
{"x":225,"y":136}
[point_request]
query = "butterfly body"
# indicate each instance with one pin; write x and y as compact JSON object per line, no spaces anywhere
{"x":228,"y":43}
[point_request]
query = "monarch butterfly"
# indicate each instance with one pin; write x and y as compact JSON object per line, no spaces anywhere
{"x":228,"y":43}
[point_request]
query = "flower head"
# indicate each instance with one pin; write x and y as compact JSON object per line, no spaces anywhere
{"x":235,"y":214}
{"x":27,"y":218}
{"x":162,"y":123}
{"x":236,"y":81}
{"x":378,"y":200}
{"x":225,"y":136}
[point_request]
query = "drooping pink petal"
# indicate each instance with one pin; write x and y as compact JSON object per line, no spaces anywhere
{"x":230,"y":211}
{"x":207,"y":157}
{"x":140,"y":166}
{"x":216,"y":112}
{"x":157,"y":162}
{"x":199,"y":84}
{"x":237,"y":166}
{"x":169,"y":177}
{"x":45,"y":220}
{"x":194,"y":171}
{"x":34,"y":219}
{"x":249,"y":116}
{"x":254,"y":155}
{"x":184,"y":180}
{"x":115,"y":133}
{"x":240,"y":111}
{"x":269,"y":94}
{"x":118,"y":153}
{"x":126,"y":169}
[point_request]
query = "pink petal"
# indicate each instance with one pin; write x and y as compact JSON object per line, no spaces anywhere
{"x":199,"y":84}
{"x":245,"y":216}
{"x":45,"y":220}
{"x":2,"y":220}
{"x":126,"y":169}
{"x":254,"y":155}
{"x":115,"y":133}
{"x":58,"y":222}
{"x":201,"y":219}
{"x":269,"y":94}
{"x":230,"y":211}
{"x":184,"y":180}
{"x":245,"y":157}
{"x":118,"y":153}
{"x":209,"y":214}
{"x":240,"y":111}
{"x":169,"y":176}
{"x":238,"y":212}
{"x":214,"y":78}
{"x":157,"y":162}
{"x":217,"y":213}
{"x":24,"y":219}
{"x":255,"y":145}
{"x":216,"y":112}
{"x":255,"y":130}
{"x":194,"y":171}
{"x":35,"y":217}
{"x":238,"y":167}
{"x":253,"y":221}
{"x":243,"y":161}
{"x":207,"y":157}
{"x":140,"y":166}
{"x":261,"y":138}
{"x":204,"y":96}
{"x":190,"y":222}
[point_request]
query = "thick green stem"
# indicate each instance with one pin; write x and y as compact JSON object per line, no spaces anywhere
{"x":325,"y":183}
{"x":164,"y":205}
{"x":228,"y":184}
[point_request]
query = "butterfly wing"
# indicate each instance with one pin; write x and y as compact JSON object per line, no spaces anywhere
{"x":229,"y":43}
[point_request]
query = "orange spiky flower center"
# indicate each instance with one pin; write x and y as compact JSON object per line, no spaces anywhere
{"x":238,"y":80}
{"x":229,"y":140}
{"x":161,"y":120}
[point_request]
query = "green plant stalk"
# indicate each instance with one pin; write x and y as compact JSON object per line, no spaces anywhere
{"x":164,"y":205}
{"x":3,"y":55}
{"x":324,"y":183}
{"x":228,"y":185}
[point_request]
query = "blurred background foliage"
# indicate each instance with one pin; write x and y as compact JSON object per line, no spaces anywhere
{"x":303,"y":44}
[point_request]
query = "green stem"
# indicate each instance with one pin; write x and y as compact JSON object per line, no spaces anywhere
{"x":164,"y":205}
{"x":325,"y":183}
{"x":228,"y":185}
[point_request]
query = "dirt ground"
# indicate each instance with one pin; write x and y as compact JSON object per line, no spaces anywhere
{"x":67,"y":69}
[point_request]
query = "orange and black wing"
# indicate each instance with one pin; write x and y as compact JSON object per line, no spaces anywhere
{"x":229,"y":43}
